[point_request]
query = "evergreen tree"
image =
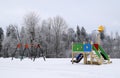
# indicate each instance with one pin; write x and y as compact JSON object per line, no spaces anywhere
{"x":1,"y":39}
{"x":102,"y":36}
{"x":78,"y":34}
{"x":83,"y":34}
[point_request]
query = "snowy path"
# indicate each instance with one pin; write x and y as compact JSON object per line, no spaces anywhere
{"x":56,"y":68}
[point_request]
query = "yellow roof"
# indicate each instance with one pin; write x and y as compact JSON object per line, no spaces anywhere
{"x":100,"y":28}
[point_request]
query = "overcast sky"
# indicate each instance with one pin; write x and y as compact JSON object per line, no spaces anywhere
{"x":87,"y":13}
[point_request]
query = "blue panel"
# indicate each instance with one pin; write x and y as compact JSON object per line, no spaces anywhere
{"x":87,"y":47}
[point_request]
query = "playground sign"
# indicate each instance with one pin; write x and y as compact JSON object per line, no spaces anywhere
{"x":78,"y":47}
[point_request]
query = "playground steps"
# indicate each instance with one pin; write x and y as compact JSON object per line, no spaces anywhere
{"x":94,"y":62}
{"x":106,"y":61}
{"x":99,"y":60}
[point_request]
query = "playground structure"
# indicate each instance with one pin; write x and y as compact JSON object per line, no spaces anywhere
{"x":97,"y":54}
{"x":25,"y":47}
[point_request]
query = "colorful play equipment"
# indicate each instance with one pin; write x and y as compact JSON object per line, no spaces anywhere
{"x":25,"y":47}
{"x":95,"y":51}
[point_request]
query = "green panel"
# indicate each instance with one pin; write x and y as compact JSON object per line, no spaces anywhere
{"x":77,"y":47}
{"x":103,"y":52}
{"x":97,"y":53}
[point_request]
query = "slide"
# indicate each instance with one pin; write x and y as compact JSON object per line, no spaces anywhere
{"x":103,"y":53}
{"x":96,"y":51}
{"x":78,"y":58}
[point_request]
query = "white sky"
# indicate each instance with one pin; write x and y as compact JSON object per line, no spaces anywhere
{"x":87,"y":13}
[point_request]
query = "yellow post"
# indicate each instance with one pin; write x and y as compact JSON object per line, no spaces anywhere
{"x":100,"y":29}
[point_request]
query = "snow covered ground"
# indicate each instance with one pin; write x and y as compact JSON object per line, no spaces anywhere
{"x":56,"y":68}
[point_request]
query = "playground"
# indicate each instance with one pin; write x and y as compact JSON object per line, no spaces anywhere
{"x":95,"y":51}
{"x":97,"y":56}
{"x":91,"y":53}
{"x":89,"y":60}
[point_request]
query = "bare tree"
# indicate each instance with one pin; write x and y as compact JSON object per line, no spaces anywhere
{"x":59,"y":25}
{"x":31,"y":21}
{"x":10,"y":41}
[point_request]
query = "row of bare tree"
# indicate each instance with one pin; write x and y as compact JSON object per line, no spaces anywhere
{"x":48,"y":33}
{"x":53,"y":36}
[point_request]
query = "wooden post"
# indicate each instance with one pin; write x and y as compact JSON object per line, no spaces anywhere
{"x":72,"y":53}
{"x":85,"y":58}
{"x":91,"y":58}
{"x":72,"y":57}
{"x":109,"y":60}
{"x":101,"y":60}
{"x":91,"y":54}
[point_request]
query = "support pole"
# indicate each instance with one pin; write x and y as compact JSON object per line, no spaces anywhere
{"x":72,"y":57}
{"x":85,"y":58}
{"x":91,"y":58}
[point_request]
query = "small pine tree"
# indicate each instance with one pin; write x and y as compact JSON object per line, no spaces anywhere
{"x":78,"y":34}
{"x":83,"y":34}
{"x":1,"y":39}
{"x":102,"y":36}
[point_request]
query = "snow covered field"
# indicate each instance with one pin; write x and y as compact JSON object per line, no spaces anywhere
{"x":56,"y":68}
